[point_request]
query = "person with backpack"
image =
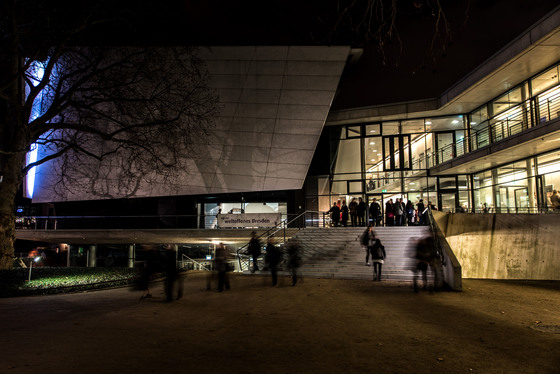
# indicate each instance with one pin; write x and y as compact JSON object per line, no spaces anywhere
{"x":378,"y":255}
{"x":254,"y":249}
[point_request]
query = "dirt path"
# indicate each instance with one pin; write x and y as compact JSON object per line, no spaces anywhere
{"x":319,"y":326}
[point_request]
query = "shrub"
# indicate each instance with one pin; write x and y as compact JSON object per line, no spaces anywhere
{"x":62,"y":279}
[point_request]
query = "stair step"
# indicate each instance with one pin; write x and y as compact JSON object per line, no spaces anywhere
{"x":336,"y":252}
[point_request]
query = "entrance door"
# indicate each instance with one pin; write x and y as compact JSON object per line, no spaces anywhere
{"x":379,"y":200}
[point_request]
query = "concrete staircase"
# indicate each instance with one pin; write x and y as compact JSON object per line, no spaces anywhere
{"x":337,"y":252}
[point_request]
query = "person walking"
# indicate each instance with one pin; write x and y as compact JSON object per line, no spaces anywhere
{"x":254,"y":250}
{"x":353,"y":207}
{"x":220,"y":260}
{"x":273,"y":258}
{"x":425,"y":255}
{"x":367,"y":240}
{"x":375,"y":212}
{"x":335,"y":214}
{"x":149,"y":269}
{"x":171,"y":273}
{"x":361,"y":211}
{"x":378,"y":256}
{"x":294,"y":259}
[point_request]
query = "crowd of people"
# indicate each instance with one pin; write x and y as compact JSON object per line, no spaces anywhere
{"x":396,"y":213}
{"x":426,"y":255}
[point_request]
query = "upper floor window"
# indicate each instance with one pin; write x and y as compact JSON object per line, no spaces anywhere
{"x":545,"y":80}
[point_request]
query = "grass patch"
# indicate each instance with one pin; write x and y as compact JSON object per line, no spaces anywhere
{"x":47,"y":280}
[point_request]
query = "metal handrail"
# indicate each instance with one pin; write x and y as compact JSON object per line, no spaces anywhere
{"x":282,"y":226}
{"x":199,"y":265}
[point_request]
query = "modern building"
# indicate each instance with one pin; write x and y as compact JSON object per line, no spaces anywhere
{"x":489,"y":143}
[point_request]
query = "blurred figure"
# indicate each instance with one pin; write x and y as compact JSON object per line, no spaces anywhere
{"x":254,"y":249}
{"x":378,"y":256}
{"x":425,"y":256}
{"x":221,"y":266}
{"x":294,"y":259}
{"x":368,"y":240}
{"x":171,"y":273}
{"x":273,"y":258}
{"x":147,"y":272}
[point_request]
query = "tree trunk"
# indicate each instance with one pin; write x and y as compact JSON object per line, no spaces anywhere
{"x":11,"y":180}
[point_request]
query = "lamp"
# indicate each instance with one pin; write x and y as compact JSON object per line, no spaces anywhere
{"x":36,"y":259}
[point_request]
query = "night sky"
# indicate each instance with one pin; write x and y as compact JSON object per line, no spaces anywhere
{"x":478,"y":28}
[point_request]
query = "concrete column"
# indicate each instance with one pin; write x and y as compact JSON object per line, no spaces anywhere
{"x":131,"y":255}
{"x":531,"y":184}
{"x":92,"y":256}
{"x":496,"y":192}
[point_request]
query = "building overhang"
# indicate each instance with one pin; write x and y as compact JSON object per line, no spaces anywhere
{"x":531,"y":52}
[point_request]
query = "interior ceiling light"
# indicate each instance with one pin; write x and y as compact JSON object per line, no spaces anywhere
{"x":428,"y":122}
{"x":454,"y":122}
{"x":372,"y":143}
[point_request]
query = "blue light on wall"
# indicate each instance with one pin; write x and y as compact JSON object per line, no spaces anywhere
{"x":37,"y":70}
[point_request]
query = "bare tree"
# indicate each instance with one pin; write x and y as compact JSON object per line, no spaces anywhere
{"x":375,"y":22}
{"x":105,"y":118}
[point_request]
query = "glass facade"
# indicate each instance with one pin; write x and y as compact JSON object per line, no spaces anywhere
{"x":392,"y":159}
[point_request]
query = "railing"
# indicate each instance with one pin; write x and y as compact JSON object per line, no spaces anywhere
{"x":196,"y":265}
{"x":137,"y":222}
{"x":283,"y":230}
{"x":506,"y":210}
{"x":106,"y":222}
{"x":452,"y":272}
{"x":501,"y":127}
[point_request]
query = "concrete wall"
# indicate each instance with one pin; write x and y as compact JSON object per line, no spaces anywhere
{"x":504,"y":246}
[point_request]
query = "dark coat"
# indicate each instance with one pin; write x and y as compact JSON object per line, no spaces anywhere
{"x":374,"y":209}
{"x":344,"y":210}
{"x":335,"y":213}
{"x":377,"y":251}
{"x":362,"y":207}
{"x":254,"y":248}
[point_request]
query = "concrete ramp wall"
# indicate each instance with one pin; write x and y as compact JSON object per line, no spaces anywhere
{"x":504,"y":246}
